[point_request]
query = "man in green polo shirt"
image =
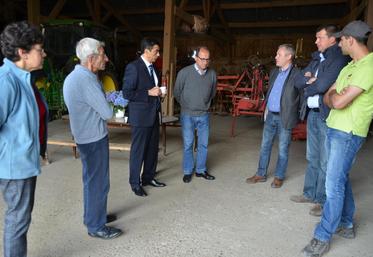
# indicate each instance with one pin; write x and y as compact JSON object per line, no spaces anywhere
{"x":351,"y":103}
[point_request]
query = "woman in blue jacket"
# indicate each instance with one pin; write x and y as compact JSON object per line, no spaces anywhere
{"x":21,"y":45}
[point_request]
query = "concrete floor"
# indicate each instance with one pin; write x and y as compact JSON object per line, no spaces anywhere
{"x":221,"y":218}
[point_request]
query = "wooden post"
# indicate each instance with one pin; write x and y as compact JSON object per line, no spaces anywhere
{"x":369,"y":20}
{"x":57,"y":9}
{"x":168,"y":65}
{"x":33,"y":12}
{"x":97,"y":10}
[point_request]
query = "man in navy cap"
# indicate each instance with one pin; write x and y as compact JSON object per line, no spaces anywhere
{"x":351,"y":102}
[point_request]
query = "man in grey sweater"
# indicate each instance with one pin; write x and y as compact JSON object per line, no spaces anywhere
{"x":88,"y":112}
{"x":195,"y":88}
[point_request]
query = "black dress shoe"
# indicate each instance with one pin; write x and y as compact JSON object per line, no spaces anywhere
{"x":106,"y":233}
{"x":111,"y":218}
{"x":187,"y":178}
{"x":139,"y":191}
{"x":154,"y":183}
{"x":205,"y":176}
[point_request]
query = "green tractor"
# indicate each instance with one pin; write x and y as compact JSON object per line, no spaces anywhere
{"x":60,"y":40}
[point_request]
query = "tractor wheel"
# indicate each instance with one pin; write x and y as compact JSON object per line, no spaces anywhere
{"x":109,"y":81}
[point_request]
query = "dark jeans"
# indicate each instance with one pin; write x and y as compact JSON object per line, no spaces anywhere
{"x":95,"y":161}
{"x":19,"y":197}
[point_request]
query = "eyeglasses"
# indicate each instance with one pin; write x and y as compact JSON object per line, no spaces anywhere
{"x":204,"y":59}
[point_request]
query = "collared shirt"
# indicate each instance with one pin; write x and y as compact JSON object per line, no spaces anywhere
{"x":147,"y":65}
{"x":200,"y":72}
{"x":313,"y":101}
{"x":355,"y":117}
{"x":274,"y":98}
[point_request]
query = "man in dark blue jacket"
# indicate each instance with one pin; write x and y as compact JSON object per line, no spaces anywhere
{"x":315,"y":80}
{"x":140,"y":87}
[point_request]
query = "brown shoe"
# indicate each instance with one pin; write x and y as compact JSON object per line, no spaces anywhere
{"x":277,"y":183}
{"x":316,"y":210}
{"x":255,"y":179}
{"x":300,"y":199}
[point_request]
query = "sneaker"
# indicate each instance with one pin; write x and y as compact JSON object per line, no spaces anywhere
{"x":106,"y":233}
{"x":316,"y":210}
{"x":348,"y":233}
{"x":316,"y":248}
{"x":300,"y":199}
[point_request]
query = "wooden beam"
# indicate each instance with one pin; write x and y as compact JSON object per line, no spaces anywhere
{"x":141,"y":11}
{"x":188,"y":18}
{"x":221,"y":16}
{"x":33,"y":12}
{"x":206,"y":9}
{"x":97,"y":10}
{"x":169,"y":58}
{"x":232,"y":6}
{"x":369,"y":20}
{"x":278,"y":3}
{"x":230,"y":43}
{"x":182,"y":6}
{"x":355,"y":13}
{"x":352,"y":4}
{"x":144,"y":28}
{"x":91,"y":11}
{"x":56,"y":9}
{"x":279,"y":24}
{"x":106,"y":17}
{"x":122,"y":20}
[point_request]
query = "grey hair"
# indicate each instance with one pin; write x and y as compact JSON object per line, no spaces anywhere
{"x":289,"y":48}
{"x":87,"y":47}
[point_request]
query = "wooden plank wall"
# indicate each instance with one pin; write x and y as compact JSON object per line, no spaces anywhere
{"x":245,"y":48}
{"x":264,"y":47}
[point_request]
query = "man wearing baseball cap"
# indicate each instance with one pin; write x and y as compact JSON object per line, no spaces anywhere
{"x":351,"y":103}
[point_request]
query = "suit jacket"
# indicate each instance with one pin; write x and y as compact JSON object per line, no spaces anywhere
{"x":289,"y":103}
{"x":142,"y":108}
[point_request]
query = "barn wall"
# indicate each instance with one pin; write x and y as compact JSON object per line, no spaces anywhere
{"x":245,"y":49}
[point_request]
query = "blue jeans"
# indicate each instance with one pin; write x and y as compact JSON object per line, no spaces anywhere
{"x":317,"y":158}
{"x":189,"y":124}
{"x":339,"y":206}
{"x":272,"y":128}
{"x":19,"y":197}
{"x":95,"y":162}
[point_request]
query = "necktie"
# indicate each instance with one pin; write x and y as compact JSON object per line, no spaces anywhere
{"x":151,"y":69}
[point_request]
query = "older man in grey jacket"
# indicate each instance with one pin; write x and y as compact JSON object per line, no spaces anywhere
{"x":89,"y":110}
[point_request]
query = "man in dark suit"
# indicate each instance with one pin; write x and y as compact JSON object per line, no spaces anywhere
{"x":281,"y":115}
{"x":140,"y":87}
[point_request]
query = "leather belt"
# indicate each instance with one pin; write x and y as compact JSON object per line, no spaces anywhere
{"x":315,"y":109}
{"x":275,"y":113}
